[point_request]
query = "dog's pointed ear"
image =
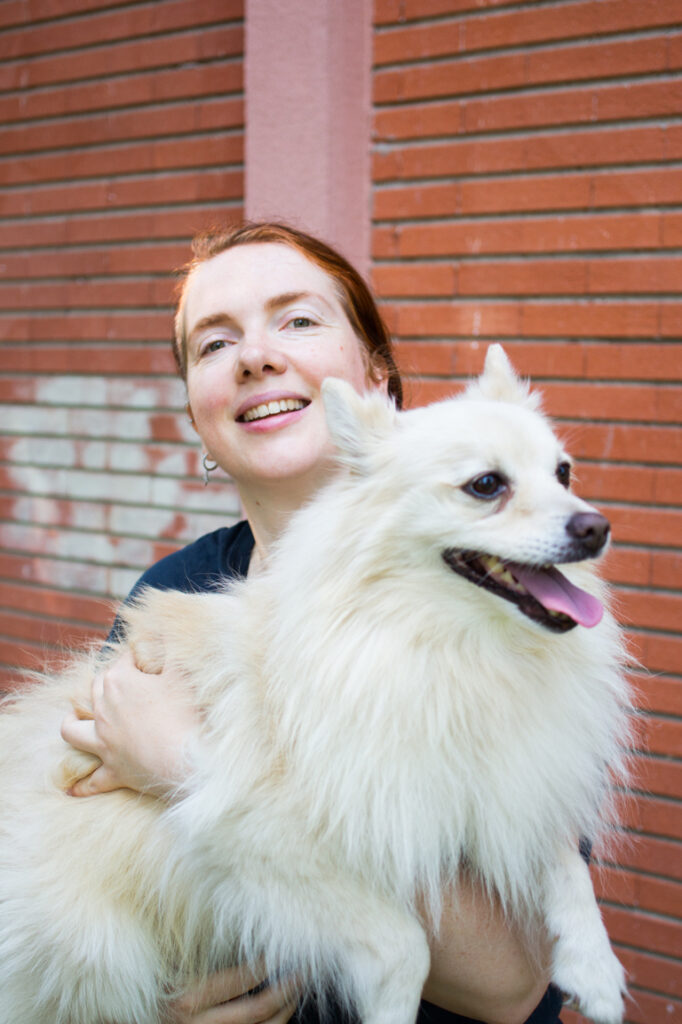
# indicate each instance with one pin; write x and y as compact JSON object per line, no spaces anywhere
{"x":356,"y":422}
{"x":499,"y":382}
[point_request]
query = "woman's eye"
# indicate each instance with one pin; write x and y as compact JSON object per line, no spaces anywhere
{"x":301,"y":321}
{"x":214,"y":344}
{"x":487,"y":486}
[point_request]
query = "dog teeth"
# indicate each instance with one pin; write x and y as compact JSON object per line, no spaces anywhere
{"x":498,"y":569}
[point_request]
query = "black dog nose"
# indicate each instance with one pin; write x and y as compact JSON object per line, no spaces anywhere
{"x":590,"y":528}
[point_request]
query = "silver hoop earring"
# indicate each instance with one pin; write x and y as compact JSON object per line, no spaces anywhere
{"x":209,"y":465}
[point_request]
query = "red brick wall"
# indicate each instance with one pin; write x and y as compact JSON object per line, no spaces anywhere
{"x":527,"y":187}
{"x":122,"y":136}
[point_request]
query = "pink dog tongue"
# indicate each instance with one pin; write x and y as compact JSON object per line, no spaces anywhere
{"x":557,"y":594}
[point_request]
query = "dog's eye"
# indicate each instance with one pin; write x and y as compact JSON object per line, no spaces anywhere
{"x":563,"y":474}
{"x":487,"y":486}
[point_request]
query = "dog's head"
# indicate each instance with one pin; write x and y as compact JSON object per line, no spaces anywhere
{"x":482,"y":481}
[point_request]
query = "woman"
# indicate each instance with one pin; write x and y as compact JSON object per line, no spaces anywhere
{"x":265,"y":314}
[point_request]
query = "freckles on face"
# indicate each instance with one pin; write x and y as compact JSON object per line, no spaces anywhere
{"x":272,"y":303}
{"x":265,"y":328}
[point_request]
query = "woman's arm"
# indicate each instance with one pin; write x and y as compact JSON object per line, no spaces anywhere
{"x":481,"y":967}
{"x":141,"y":731}
{"x":140,"y":728}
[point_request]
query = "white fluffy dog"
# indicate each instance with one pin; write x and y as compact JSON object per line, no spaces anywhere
{"x":409,"y":687}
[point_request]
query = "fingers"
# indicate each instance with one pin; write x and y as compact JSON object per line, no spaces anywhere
{"x":221,"y":987}
{"x":222,"y":999}
{"x":100,"y":781}
{"x":79,"y":727}
{"x":81,"y":733}
{"x":82,"y":709}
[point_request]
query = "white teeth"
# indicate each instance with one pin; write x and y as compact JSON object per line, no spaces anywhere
{"x":498,"y":569}
{"x":259,"y":412}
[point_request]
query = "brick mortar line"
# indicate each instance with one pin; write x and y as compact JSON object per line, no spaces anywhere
{"x":48,"y":618}
{"x":478,"y":13}
{"x":119,"y":244}
{"x":555,"y":213}
{"x":40,"y":587}
{"x":58,"y":85}
{"x":127,"y":140}
{"x":492,"y":177}
{"x":533,"y":299}
{"x":98,"y":45}
{"x":144,"y":177}
{"x":86,"y":563}
{"x":588,"y":302}
{"x":89,"y":13}
{"x":672,"y":918}
{"x":474,"y":11}
{"x":486,"y":340}
{"x":666,"y":716}
{"x":620,"y":255}
{"x":86,"y":531}
{"x":58,"y":529}
{"x":43,"y":20}
{"x":81,"y":215}
{"x":531,"y":133}
{"x":560,"y":43}
{"x":123,"y":43}
{"x":161,"y":105}
{"x":537,"y":90}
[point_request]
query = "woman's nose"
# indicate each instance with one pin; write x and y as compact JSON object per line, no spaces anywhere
{"x":258,"y":357}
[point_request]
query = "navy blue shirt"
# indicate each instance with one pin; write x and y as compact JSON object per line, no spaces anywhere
{"x":224,"y":554}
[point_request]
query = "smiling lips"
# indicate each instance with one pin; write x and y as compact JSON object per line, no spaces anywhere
{"x":272,"y":408}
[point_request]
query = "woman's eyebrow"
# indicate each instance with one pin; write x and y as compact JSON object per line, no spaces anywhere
{"x":212,"y":320}
{"x":277,"y":301}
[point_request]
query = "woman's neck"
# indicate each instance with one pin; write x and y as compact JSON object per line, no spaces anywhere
{"x":268,"y":510}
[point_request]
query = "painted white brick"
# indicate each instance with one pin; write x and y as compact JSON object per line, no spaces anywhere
{"x":180,"y":461}
{"x":48,"y":512}
{"x":156,"y":393}
{"x":121,"y":582}
{"x":80,"y":485}
{"x":70,"y":544}
{"x":45,"y":451}
{"x":29,"y":420}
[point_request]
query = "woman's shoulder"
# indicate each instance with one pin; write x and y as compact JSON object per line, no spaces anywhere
{"x":201,"y":565}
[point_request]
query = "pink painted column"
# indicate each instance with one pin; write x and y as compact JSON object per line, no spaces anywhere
{"x":308,"y":110}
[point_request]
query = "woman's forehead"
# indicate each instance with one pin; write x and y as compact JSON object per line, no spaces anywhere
{"x":252,"y":274}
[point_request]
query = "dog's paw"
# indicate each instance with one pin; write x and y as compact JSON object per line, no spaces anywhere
{"x":595,"y":985}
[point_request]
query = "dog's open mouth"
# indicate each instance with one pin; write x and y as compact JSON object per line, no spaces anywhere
{"x":541,"y":593}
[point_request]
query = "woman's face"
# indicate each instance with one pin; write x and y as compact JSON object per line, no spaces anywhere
{"x":264,"y":327}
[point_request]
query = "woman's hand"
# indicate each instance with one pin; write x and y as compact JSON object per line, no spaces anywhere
{"x":223,"y":1000}
{"x":139,"y":728}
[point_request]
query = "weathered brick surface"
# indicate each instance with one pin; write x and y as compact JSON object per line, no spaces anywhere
{"x":123,"y":135}
{"x":527,"y":188}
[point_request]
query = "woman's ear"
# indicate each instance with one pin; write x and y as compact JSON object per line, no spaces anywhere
{"x":377,"y":378}
{"x":190,"y":415}
{"x":381,"y":384}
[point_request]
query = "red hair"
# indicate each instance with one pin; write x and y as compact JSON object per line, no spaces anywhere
{"x":355,"y":296}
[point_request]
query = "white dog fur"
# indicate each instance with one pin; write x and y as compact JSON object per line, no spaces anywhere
{"x":373,"y":722}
